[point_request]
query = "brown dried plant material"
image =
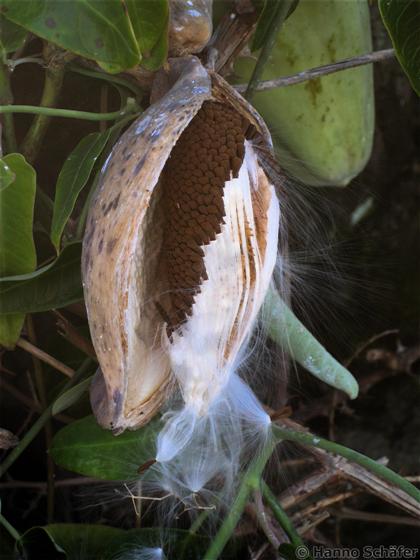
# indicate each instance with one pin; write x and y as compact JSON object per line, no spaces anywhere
{"x":168,"y":206}
{"x":7,"y":439}
{"x":190,"y":26}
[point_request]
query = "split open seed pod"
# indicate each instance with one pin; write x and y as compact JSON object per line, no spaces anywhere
{"x":178,"y":253}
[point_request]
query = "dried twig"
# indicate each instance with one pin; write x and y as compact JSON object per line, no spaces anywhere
{"x":306,"y":487}
{"x":309,"y":523}
{"x":42,"y":486}
{"x":42,"y":395}
{"x":348,"y":513}
{"x":44,"y":357}
{"x":320,"y":71}
{"x":348,"y":469}
{"x":325,"y":502}
{"x":229,"y":39}
{"x":70,"y":333}
{"x":40,"y":422}
{"x":29,"y":403}
{"x":7,"y":439}
{"x":265,"y":522}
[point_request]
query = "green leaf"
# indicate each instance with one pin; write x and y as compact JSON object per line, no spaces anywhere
{"x":150,"y":19}
{"x":12,"y":36}
{"x":85,"y":448}
{"x":287,"y":331}
{"x":402,"y":20}
{"x":17,"y":248}
{"x":264,"y":21}
{"x":72,"y":178}
{"x":109,"y":543}
{"x":70,"y":397}
{"x":75,"y":541}
{"x":55,"y":285}
{"x":96,"y":29}
{"x":6,"y":175}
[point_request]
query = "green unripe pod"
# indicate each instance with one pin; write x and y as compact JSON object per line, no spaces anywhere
{"x":323,"y":128}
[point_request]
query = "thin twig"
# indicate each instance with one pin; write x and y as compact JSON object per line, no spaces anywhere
{"x":264,"y":521}
{"x":29,"y":403}
{"x":70,"y":333}
{"x":44,"y":357}
{"x":311,"y":522}
{"x":228,"y":40}
{"x":325,"y":502}
{"x":279,"y":15}
{"x":414,"y":479}
{"x":284,"y":433}
{"x":349,"y":470}
{"x":348,"y":513}
{"x":320,"y":71}
{"x":39,"y":424}
{"x":281,"y":515}
{"x":42,"y":486}
{"x":260,"y":551}
{"x":367,"y":343}
{"x":305,"y":488}
{"x":42,"y":393}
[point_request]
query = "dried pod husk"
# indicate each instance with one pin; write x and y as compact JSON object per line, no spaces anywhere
{"x":159,"y":207}
{"x":190,"y":26}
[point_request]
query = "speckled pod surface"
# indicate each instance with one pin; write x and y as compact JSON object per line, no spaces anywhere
{"x":128,"y":235}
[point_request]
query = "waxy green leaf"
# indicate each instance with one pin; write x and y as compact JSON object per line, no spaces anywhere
{"x":84,"y":447}
{"x":100,"y":542}
{"x":266,"y":15}
{"x":96,"y":29}
{"x":116,"y":34}
{"x":73,"y":177}
{"x":6,"y":175}
{"x":55,"y":285}
{"x":17,"y":248}
{"x":71,"y":396}
{"x":12,"y":36}
{"x":402,"y":20}
{"x":150,"y":19}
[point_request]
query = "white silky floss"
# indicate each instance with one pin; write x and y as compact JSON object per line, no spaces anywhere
{"x":205,"y":438}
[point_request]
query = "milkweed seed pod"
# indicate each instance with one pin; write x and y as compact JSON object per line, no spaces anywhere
{"x":179,"y":248}
{"x":190,"y":26}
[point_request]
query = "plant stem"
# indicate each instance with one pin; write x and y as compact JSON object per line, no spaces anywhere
{"x":66,"y":113}
{"x":249,"y":483}
{"x":106,"y":77}
{"x":7,"y":97}
{"x":281,"y":515}
{"x":39,"y":424}
{"x":282,"y":433}
{"x":320,"y":71}
{"x":279,"y":15}
{"x":54,"y":75}
{"x":9,"y":528}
